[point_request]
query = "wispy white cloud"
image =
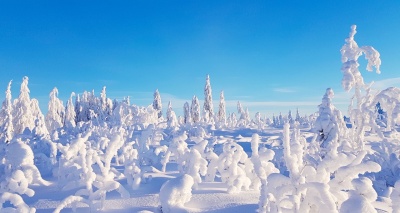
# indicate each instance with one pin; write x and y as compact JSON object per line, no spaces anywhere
{"x":383,"y":84}
{"x":284,"y":90}
{"x":272,"y":103}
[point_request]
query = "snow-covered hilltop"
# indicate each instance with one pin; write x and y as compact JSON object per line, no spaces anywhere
{"x":98,"y":154}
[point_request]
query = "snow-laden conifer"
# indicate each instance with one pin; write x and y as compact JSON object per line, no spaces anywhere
{"x":195,"y":110}
{"x":22,"y":113}
{"x":222,"y":109}
{"x":6,"y":117}
{"x":208,"y":102}
{"x":70,"y":115}
{"x":55,"y":114}
{"x":157,"y":105}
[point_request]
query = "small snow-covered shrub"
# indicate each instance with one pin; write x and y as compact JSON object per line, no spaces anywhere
{"x":175,"y":193}
{"x":231,"y":167}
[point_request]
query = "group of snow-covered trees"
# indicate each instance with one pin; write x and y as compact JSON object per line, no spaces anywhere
{"x":80,"y":143}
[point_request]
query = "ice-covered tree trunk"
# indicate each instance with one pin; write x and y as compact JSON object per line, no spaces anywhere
{"x":22,"y":114}
{"x":6,"y":119}
{"x":222,"y":109}
{"x":55,"y":113}
{"x":195,"y":110}
{"x":157,"y":103}
{"x":208,"y":104}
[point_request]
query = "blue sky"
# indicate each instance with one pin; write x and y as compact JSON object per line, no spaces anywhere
{"x":271,"y":55}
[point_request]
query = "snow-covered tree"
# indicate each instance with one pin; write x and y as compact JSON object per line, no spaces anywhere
{"x":187,"y":118}
{"x":350,"y":54}
{"x":55,"y":113}
{"x":222,"y":109}
{"x":172,"y":121}
{"x":6,"y":119}
{"x":169,"y":110}
{"x":329,"y":124}
{"x":22,"y":114}
{"x":239,"y":108}
{"x":106,"y":105}
{"x":195,"y":110}
{"x":298,"y":118}
{"x":290,"y":118}
{"x":39,"y":128}
{"x":70,"y":116}
{"x":208,"y":104}
{"x":157,"y":103}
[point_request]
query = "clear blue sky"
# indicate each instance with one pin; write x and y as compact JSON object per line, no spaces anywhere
{"x":262,"y":53}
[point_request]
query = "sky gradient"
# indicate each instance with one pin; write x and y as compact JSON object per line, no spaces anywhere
{"x":270,"y":55}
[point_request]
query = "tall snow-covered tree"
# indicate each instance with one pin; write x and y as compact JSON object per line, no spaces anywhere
{"x":22,"y":114}
{"x":195,"y":110}
{"x":6,"y":128}
{"x":55,"y":113}
{"x":169,"y":110}
{"x":329,"y":125}
{"x":70,"y":115}
{"x":222,"y":109}
{"x":186,"y":113}
{"x":208,"y":104}
{"x":239,"y":108}
{"x":157,"y":103}
{"x":298,"y":118}
{"x":39,"y":121}
{"x":106,"y":105}
{"x":290,"y":118}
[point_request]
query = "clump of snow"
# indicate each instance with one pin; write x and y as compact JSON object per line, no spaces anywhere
{"x":175,"y":193}
{"x":16,"y":201}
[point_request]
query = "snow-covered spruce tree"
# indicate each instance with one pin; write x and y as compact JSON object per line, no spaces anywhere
{"x":106,"y":106}
{"x":187,"y":118}
{"x":244,"y":119}
{"x":257,"y":120}
{"x":298,"y":118}
{"x":157,"y":103}
{"x":329,"y":125}
{"x":239,"y":108}
{"x":290,"y":118}
{"x":195,"y":110}
{"x":70,"y":115}
{"x":39,"y":128}
{"x":222,"y":110}
{"x":22,"y":114}
{"x":172,"y":121}
{"x":169,"y":110}
{"x":208,"y":104}
{"x":6,"y":119}
{"x":55,"y":113}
